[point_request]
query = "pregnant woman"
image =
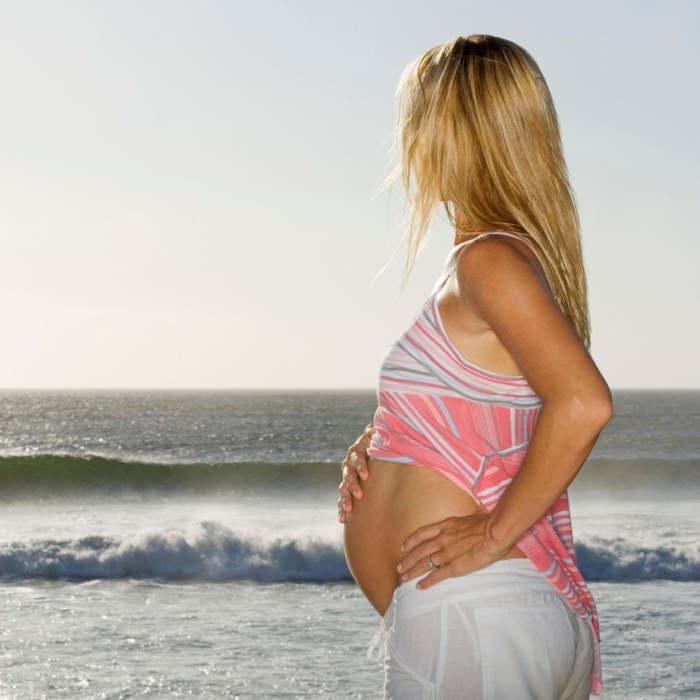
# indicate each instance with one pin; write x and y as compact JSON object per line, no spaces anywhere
{"x":460,"y":533}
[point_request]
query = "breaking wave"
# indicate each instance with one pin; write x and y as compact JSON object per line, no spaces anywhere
{"x":211,"y":551}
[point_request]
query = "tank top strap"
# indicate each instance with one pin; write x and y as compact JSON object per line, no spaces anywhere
{"x":449,"y":264}
{"x":453,"y":257}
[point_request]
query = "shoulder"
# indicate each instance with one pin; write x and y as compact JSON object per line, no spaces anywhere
{"x":493,"y":245}
{"x":495,"y":265}
{"x":498,"y":282}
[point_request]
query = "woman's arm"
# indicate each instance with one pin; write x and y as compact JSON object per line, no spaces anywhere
{"x":497,"y":283}
{"x":576,"y":401}
{"x":564,"y":437}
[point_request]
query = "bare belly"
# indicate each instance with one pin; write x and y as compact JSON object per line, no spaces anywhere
{"x":397,"y":499}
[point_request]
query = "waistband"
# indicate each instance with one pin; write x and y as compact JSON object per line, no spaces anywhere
{"x":510,"y":581}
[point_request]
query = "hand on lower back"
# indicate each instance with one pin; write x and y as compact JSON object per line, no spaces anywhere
{"x":457,"y":545}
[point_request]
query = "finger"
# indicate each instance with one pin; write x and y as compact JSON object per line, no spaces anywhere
{"x":454,"y":550}
{"x":345,"y":498}
{"x":420,"y":565}
{"x":349,"y":482}
{"x":420,"y":535}
{"x":353,"y":485}
{"x":418,"y":558}
{"x":459,"y":565}
{"x":420,"y":553}
{"x":349,"y":461}
{"x":359,"y":464}
{"x":443,"y":572}
{"x":344,"y":503}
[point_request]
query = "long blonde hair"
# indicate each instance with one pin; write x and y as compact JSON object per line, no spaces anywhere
{"x":478,"y":131}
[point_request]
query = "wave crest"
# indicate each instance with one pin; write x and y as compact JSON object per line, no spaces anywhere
{"x":211,"y":551}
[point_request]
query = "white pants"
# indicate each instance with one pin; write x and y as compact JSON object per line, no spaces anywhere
{"x":502,"y":632}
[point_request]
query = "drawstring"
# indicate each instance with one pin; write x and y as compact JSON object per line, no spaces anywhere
{"x":379,"y":639}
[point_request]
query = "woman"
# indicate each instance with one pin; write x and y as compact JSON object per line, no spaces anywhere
{"x":488,"y":404}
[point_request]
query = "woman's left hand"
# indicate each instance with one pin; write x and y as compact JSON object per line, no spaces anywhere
{"x":457,"y":545}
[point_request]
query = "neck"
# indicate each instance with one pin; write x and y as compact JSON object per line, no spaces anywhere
{"x":465,"y":228}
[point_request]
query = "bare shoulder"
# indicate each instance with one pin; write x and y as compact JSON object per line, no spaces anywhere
{"x":498,"y":282}
{"x":500,"y":255}
{"x":497,"y":269}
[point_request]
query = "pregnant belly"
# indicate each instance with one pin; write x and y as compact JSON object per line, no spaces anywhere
{"x":397,"y":499}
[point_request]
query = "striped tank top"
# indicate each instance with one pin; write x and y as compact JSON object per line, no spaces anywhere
{"x":473,"y":426}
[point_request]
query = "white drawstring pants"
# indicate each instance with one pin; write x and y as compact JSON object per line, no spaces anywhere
{"x":502,"y":632}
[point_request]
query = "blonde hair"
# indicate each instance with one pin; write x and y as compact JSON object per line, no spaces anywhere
{"x":477,"y":130}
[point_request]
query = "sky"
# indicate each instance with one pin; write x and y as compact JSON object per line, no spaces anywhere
{"x":190,"y":190}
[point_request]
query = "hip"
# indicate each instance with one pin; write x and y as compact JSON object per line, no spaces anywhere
{"x":462,"y":632}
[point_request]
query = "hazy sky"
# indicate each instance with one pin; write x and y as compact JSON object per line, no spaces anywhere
{"x":188,"y":188}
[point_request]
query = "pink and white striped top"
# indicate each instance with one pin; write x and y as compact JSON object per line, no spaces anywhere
{"x":473,"y":426}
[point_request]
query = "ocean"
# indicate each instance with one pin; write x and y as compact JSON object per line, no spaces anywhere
{"x":170,"y":544}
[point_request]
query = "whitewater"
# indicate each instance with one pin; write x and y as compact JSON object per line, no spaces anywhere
{"x":169,"y":544}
